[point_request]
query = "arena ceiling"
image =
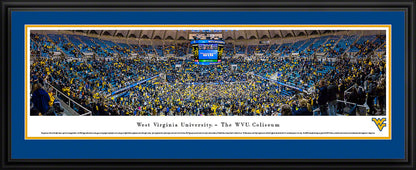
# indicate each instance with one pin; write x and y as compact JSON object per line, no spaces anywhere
{"x":183,"y":35}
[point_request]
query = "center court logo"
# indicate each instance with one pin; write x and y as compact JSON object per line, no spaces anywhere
{"x":379,"y":122}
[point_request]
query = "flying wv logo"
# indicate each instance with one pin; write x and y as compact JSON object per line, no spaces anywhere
{"x":380,"y":123}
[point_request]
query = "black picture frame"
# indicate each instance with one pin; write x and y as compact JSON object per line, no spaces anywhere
{"x":213,"y":5}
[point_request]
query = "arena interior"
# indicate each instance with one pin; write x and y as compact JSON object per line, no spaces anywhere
{"x":259,"y":73}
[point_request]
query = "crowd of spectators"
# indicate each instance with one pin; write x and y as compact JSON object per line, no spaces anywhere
{"x":236,"y":86}
{"x":332,"y":46}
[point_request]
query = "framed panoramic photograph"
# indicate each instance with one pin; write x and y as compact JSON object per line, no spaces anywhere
{"x":208,"y":84}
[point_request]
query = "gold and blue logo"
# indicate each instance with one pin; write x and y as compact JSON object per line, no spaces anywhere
{"x":379,"y":122}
